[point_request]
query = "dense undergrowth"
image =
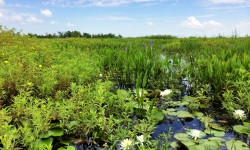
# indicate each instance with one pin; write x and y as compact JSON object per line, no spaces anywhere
{"x":54,"y":91}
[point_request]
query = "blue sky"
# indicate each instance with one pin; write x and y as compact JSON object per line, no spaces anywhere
{"x":130,"y":18}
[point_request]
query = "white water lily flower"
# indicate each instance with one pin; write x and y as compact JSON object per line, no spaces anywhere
{"x":239,"y":113}
{"x":126,"y":143}
{"x":140,"y":139}
{"x":195,"y":134}
{"x":165,"y":92}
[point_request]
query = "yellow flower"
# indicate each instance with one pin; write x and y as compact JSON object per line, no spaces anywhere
{"x":6,"y":61}
{"x":40,"y":66}
{"x":3,"y":54}
{"x":32,"y":48}
{"x":29,"y":83}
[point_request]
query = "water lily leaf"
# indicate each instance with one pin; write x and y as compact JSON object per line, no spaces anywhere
{"x":171,"y":109}
{"x":215,"y":132}
{"x":184,"y":103}
{"x":247,"y":124}
{"x":181,"y":136}
{"x":174,"y":144}
{"x":157,"y":114}
{"x":241,"y":129}
{"x":217,"y":127}
{"x":184,"y":114}
{"x":218,"y":139}
{"x":56,"y":132}
{"x":188,"y":143}
{"x":236,"y":144}
{"x":198,"y":114}
{"x":171,"y":113}
{"x":211,"y":145}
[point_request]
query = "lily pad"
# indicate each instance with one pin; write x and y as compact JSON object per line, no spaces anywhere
{"x":184,"y":114}
{"x":157,"y":114}
{"x":198,"y":114}
{"x":174,"y":144}
{"x":215,"y":132}
{"x":236,"y":144}
{"x":217,"y":127}
{"x":205,"y":145}
{"x":241,"y":129}
{"x":247,"y":124}
{"x":218,"y":139}
{"x":181,"y":136}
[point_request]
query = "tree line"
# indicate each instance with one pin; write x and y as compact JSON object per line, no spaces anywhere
{"x":69,"y":34}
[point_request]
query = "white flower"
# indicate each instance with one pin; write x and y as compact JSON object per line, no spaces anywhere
{"x":239,"y":113}
{"x":126,"y":143}
{"x":165,"y":92}
{"x":100,"y":75}
{"x":195,"y":134}
{"x":140,"y":139}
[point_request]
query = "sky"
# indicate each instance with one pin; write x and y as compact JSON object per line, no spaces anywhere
{"x":129,"y":18}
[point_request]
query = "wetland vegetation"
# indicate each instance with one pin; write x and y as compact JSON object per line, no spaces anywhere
{"x":124,"y":93}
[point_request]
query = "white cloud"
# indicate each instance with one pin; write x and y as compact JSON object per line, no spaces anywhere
{"x":46,"y":12}
{"x":16,"y":18}
{"x":101,"y":3}
{"x":22,"y":18}
{"x":112,"y":18}
{"x":192,"y":22}
{"x":150,"y":23}
{"x":243,"y":25}
{"x":33,"y":19}
{"x":70,"y":24}
{"x":224,"y":4}
{"x":1,"y":2}
{"x":227,"y":1}
{"x":53,"y":22}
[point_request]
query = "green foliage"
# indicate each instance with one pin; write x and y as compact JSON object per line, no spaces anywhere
{"x":51,"y":89}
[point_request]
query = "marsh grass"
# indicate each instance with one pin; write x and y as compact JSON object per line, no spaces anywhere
{"x":53,"y":87}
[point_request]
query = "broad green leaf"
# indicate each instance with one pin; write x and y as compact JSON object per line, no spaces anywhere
{"x":56,"y":132}
{"x":71,"y":148}
{"x":181,"y":136}
{"x":214,"y":132}
{"x":184,"y":114}
{"x":174,"y":144}
{"x":241,"y":129}
{"x":157,"y":114}
{"x":198,"y":114}
{"x":123,"y":93}
{"x":218,"y":139}
{"x":237,"y":145}
{"x":217,"y":127}
{"x":45,"y":142}
{"x":211,"y":145}
{"x":247,"y":124}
